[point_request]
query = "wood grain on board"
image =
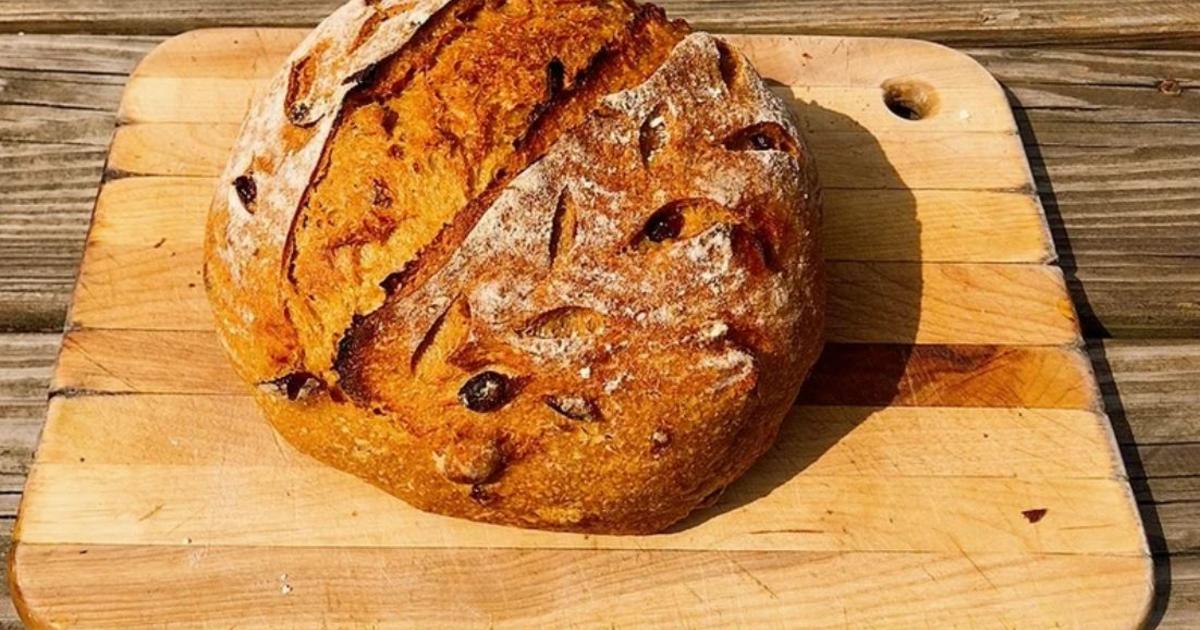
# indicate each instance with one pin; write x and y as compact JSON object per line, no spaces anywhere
{"x":931,"y":458}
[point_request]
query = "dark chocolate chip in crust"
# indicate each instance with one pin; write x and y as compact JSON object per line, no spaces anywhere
{"x":665,"y":224}
{"x":300,"y":385}
{"x":555,"y":77}
{"x":480,"y":495}
{"x":295,"y":386}
{"x":389,"y":120}
{"x":364,"y":77}
{"x":247,"y":191}
{"x":574,"y":407}
{"x":484,"y":392}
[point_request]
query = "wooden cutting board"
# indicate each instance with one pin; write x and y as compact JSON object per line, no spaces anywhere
{"x":947,"y":465}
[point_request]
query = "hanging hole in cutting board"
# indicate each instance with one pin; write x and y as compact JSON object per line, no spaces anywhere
{"x":910,"y":100}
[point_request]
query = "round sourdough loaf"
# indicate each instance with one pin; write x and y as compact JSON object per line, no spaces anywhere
{"x":545,"y":263}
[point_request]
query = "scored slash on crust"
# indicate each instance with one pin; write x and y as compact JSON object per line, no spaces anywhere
{"x":565,"y":108}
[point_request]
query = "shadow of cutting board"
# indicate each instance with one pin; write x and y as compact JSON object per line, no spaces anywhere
{"x":947,"y":465}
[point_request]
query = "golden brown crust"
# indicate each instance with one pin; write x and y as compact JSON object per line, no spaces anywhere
{"x":553,"y":264}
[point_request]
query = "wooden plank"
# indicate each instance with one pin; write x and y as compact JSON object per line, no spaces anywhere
{"x":1182,"y":611}
{"x":880,"y":225}
{"x":94,"y":54}
{"x":1144,"y":301}
{"x":8,"y":612}
{"x":171,"y":149}
{"x":948,"y":303}
{"x":1021,"y":22}
{"x":1153,"y":387}
{"x":276,"y":506}
{"x":25,"y":366}
{"x":166,"y":100}
{"x":143,"y":265}
{"x":852,"y":63}
{"x":107,"y":361}
{"x":26,"y":362}
{"x":933,"y":375}
{"x":77,"y":90}
{"x":214,"y":430}
{"x":934,"y":303}
{"x":849,"y":159}
{"x":1178,"y":523}
{"x":1109,"y":104}
{"x":1156,"y":490}
{"x":142,"y":270}
{"x":46,"y":191}
{"x":48,"y":124}
{"x":935,"y":226}
{"x":1128,"y":68}
{"x":348,"y":587}
{"x":1177,"y":460}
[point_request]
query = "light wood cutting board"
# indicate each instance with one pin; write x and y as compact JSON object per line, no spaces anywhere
{"x":947,"y":465}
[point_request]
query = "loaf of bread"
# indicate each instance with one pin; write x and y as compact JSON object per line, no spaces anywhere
{"x":546,"y":263}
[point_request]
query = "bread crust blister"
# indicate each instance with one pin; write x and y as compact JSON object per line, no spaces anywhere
{"x":543,"y":263}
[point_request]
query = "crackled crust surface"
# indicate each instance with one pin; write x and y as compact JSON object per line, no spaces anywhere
{"x":605,"y":214}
